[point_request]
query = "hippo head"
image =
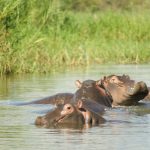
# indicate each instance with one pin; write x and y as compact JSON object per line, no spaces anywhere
{"x":64,"y":116}
{"x":123,"y":90}
{"x":48,"y":119}
{"x":86,"y":89}
{"x":85,"y":112}
{"x":90,"y":89}
{"x":70,"y":115}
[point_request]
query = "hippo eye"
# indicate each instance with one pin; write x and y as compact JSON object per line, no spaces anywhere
{"x":112,"y":80}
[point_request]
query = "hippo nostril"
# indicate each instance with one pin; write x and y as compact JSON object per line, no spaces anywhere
{"x":68,"y":108}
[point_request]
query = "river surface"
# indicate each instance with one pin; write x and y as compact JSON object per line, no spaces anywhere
{"x":126,"y":128}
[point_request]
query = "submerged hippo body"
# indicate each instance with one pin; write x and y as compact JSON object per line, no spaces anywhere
{"x":69,"y":115}
{"x":110,"y":91}
{"x":123,"y":90}
{"x":57,"y":99}
{"x":88,"y":89}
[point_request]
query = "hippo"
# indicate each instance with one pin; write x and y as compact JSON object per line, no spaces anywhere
{"x":73,"y":115}
{"x":88,"y":89}
{"x":112,"y":90}
{"x":124,"y":91}
{"x":67,"y":115}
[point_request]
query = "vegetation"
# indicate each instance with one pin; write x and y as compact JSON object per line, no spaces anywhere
{"x":36,"y":36}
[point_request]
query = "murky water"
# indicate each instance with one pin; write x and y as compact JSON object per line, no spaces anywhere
{"x":126,"y":128}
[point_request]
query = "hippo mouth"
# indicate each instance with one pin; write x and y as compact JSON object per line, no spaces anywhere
{"x":140,"y":88}
{"x":135,"y":94}
{"x":62,"y":118}
{"x":123,"y":90}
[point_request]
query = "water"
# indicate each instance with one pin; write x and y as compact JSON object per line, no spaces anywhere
{"x":126,"y":128}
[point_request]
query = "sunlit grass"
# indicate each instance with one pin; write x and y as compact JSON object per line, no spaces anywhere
{"x":46,"y":37}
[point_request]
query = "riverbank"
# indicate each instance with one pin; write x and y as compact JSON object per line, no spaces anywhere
{"x":67,"y":38}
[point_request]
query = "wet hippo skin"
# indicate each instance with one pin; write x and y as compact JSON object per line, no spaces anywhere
{"x":88,"y":89}
{"x":57,"y":99}
{"x":70,"y":114}
{"x":92,"y":111}
{"x":123,"y":90}
{"x":66,"y":115}
{"x":110,"y":91}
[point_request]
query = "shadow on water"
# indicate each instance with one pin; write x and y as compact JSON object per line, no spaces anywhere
{"x":142,"y":109}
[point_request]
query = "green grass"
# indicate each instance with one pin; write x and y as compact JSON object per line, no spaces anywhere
{"x":42,"y":38}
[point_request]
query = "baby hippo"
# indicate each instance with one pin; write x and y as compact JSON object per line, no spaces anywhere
{"x":69,"y":115}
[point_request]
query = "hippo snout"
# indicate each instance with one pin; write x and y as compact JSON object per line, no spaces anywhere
{"x":140,"y":87}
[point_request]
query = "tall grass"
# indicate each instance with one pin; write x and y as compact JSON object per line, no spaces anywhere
{"x":36,"y":36}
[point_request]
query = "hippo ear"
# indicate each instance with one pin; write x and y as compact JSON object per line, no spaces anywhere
{"x":104,"y":78}
{"x":98,"y":82}
{"x":78,"y":84}
{"x":126,"y":76}
{"x":114,"y":79}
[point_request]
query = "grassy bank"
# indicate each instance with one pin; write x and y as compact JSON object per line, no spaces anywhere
{"x":37,"y":38}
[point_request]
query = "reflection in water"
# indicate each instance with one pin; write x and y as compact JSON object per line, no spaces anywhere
{"x":126,"y":128}
{"x":4,"y":87}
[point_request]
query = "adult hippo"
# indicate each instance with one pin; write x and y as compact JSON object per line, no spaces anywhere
{"x":88,"y":89}
{"x":110,"y":91}
{"x":123,"y":90}
{"x":73,"y":115}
